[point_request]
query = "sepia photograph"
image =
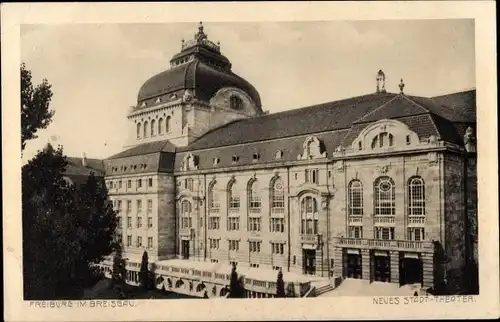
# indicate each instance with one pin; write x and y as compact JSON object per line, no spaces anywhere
{"x":219,"y":160}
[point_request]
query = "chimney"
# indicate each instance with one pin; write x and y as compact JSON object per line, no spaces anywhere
{"x":84,"y":160}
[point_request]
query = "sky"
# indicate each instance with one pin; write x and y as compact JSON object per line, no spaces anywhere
{"x":96,"y":70}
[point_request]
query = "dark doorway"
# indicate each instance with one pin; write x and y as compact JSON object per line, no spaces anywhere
{"x":309,"y":261}
{"x":352,"y":265}
{"x":185,"y":249}
{"x":410,"y":271}
{"x":382,"y":268}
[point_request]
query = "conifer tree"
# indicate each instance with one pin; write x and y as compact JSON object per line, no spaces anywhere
{"x":280,"y":285}
{"x":144,"y":272}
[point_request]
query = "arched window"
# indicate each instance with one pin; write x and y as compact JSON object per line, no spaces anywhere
{"x":355,"y":198}
{"x":233,"y":197}
{"x":145,"y":129}
{"x":153,"y":124}
{"x":277,"y":196}
{"x":139,"y":130}
{"x":186,"y":214}
{"x":385,"y":197}
{"x":416,"y":197}
{"x":309,"y":216}
{"x":254,"y":196}
{"x":383,"y":140}
{"x":213,"y":199}
{"x":236,"y":103}
{"x":160,"y":126}
{"x":167,"y":124}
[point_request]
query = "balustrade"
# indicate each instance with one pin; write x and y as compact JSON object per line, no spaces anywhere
{"x":383,"y":219}
{"x":384,"y":244}
{"x":416,"y":220}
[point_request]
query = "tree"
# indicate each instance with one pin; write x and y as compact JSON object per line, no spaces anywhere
{"x":35,"y":113}
{"x":66,"y":229}
{"x":144,"y":272}
{"x":236,"y":289}
{"x":280,"y":285}
{"x":119,"y":271}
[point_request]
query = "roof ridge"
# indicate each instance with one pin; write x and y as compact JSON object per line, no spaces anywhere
{"x":415,"y":103}
{"x":470,"y":89}
{"x":376,"y":109}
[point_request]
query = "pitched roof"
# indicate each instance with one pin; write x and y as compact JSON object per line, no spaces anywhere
{"x":463,"y":103}
{"x":146,"y":148}
{"x":75,"y":167}
{"x":313,"y":119}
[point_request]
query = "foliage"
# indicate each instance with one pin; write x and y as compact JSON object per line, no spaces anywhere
{"x":35,"y":113}
{"x":66,"y":229}
{"x":119,"y":271}
{"x":236,"y":288}
{"x":280,"y":285}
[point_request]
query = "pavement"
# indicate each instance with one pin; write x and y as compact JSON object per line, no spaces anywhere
{"x":358,"y":287}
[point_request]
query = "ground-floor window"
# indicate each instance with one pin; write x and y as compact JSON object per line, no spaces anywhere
{"x":417,"y":234}
{"x":385,"y":233}
{"x":355,"y":232}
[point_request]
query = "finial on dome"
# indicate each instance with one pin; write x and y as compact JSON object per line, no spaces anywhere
{"x":201,"y":34}
{"x":401,"y":86}
{"x":380,"y":82}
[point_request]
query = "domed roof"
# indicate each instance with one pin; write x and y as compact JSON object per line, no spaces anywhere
{"x":199,"y":67}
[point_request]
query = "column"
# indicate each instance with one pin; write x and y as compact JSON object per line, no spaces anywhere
{"x":337,"y":262}
{"x":394,"y":266}
{"x":365,"y":264}
{"x":427,"y":270}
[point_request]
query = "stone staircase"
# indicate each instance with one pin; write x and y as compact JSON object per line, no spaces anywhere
{"x":323,"y":289}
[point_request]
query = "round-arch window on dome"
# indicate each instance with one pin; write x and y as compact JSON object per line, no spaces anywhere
{"x":153,"y":127}
{"x":145,"y":134}
{"x":168,"y":124}
{"x":160,"y":126}
{"x":139,"y":130}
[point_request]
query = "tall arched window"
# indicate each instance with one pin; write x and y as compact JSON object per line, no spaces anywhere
{"x":309,"y":215}
{"x":233,"y":197}
{"x":416,"y":197}
{"x":153,"y":127}
{"x":383,"y":140}
{"x":160,"y":126}
{"x":139,"y":130}
{"x":254,"y":201}
{"x":186,"y":214}
{"x":355,"y":198}
{"x":213,"y":199}
{"x":145,"y":129}
{"x":168,"y":125}
{"x":385,"y":197}
{"x":277,"y":196}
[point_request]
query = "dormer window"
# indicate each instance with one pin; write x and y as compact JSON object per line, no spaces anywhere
{"x":408,"y":140}
{"x":313,"y":149}
{"x":383,"y":140}
{"x":236,"y":103}
{"x":235,"y":158}
{"x":216,"y":161}
{"x":360,"y":146}
{"x":278,"y":155}
{"x":256,"y":156}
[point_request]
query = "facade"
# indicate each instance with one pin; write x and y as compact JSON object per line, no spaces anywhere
{"x":379,"y":187}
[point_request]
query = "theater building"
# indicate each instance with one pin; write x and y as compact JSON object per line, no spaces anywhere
{"x":378,"y":187}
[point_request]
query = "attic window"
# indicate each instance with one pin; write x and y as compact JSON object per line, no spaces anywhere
{"x":278,"y":155}
{"x":408,"y":140}
{"x":256,"y":156}
{"x":235,"y":158}
{"x":236,"y":103}
{"x":124,"y":168}
{"x":216,"y":161}
{"x":360,"y":146}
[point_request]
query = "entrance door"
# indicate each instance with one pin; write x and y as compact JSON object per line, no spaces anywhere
{"x":411,"y":271}
{"x":309,"y":256}
{"x":185,"y":249}
{"x":382,"y":269}
{"x":352,"y":265}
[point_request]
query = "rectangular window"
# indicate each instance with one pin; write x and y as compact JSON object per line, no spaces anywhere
{"x":234,"y":202}
{"x":139,"y":222}
{"x":119,"y":184}
{"x":150,"y":206}
{"x":119,"y":205}
{"x":416,"y":234}
{"x":150,"y":222}
{"x":139,"y":206}
{"x":234,"y":245}
{"x":309,"y":226}
{"x":254,"y":224}
{"x":129,"y":184}
{"x":150,"y":242}
{"x":214,"y":243}
{"x":139,"y":241}
{"x":278,"y":248}
{"x":233,"y":223}
{"x":384,"y":233}
{"x":312,"y":176}
{"x":129,"y":240}
{"x":188,"y":184}
{"x":213,"y":223}
{"x":129,"y":222}
{"x":355,"y":232}
{"x":277,"y":225}
{"x":129,"y":206}
{"x":119,"y":222}
{"x":139,"y":183}
{"x":254,"y":246}
{"x":150,"y":182}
